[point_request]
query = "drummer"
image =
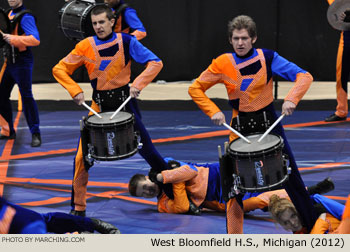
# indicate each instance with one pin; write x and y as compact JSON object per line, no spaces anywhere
{"x":343,"y":74}
{"x":247,"y":74}
{"x":107,"y":58}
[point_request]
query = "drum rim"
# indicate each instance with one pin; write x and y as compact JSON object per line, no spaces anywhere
{"x":265,"y":188}
{"x":111,"y":124}
{"x":257,"y":153}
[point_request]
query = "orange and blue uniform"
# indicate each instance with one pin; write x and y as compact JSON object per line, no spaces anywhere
{"x":129,"y":22}
{"x":108,"y":64}
{"x":342,"y":72}
{"x":249,"y":84}
{"x":18,"y":69}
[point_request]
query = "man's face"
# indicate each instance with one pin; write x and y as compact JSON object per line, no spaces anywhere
{"x":290,"y":220}
{"x":15,"y":3}
{"x":147,"y":189}
{"x":242,"y":42}
{"x":102,"y":25}
{"x":112,"y":3}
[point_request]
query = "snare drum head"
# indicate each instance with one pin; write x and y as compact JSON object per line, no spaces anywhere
{"x":241,"y":146}
{"x":120,"y":117}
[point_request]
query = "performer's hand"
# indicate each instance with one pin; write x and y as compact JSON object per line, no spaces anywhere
{"x":134,"y":92}
{"x":193,"y":209}
{"x":152,"y":175}
{"x":288,"y":108}
{"x":218,"y":118}
{"x":79,"y":98}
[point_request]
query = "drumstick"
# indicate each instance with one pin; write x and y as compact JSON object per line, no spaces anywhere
{"x":272,"y":126}
{"x":89,"y":108}
{"x":236,"y":132}
{"x":121,"y":106}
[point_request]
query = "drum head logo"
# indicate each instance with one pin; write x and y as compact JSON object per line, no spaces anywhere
{"x":259,"y":176}
{"x":110,"y":146}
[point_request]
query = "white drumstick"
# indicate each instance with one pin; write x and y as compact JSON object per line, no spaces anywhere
{"x":120,"y":108}
{"x":236,"y":132}
{"x":91,"y":109}
{"x":272,"y":126}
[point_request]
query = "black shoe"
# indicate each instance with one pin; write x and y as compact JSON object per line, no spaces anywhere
{"x":78,"y":213}
{"x":334,"y":118}
{"x":322,"y":187}
{"x":104,"y":227}
{"x":12,"y":136}
{"x":36,"y":140}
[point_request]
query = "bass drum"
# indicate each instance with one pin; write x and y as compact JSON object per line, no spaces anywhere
{"x":75,"y":20}
{"x":5,"y":26}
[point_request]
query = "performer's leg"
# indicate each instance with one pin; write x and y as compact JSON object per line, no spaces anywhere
{"x":148,"y":151}
{"x":23,"y":77}
{"x":6,"y":87}
{"x":234,"y":215}
{"x":342,"y":75}
{"x":80,"y":180}
{"x":60,"y":223}
{"x":295,"y":186}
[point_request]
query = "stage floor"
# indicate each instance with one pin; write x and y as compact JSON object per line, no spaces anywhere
{"x":40,"y":178}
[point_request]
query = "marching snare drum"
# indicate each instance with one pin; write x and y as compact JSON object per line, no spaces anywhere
{"x":259,"y":166}
{"x":75,"y":20}
{"x":111,"y":139}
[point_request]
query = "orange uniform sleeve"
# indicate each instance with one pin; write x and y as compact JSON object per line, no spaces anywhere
{"x":23,"y":41}
{"x":322,"y":226}
{"x":302,"y":84}
{"x":177,"y":175}
{"x":151,"y":71}
{"x":211,"y":76}
{"x":180,"y":203}
{"x":66,"y":67}
{"x":139,"y":34}
{"x":330,"y":1}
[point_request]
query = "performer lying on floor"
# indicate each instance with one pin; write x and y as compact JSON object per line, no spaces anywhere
{"x":197,"y":186}
{"x":15,"y":219}
{"x":334,"y":218}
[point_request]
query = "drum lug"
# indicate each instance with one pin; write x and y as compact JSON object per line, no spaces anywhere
{"x":138,"y":139}
{"x":289,"y":170}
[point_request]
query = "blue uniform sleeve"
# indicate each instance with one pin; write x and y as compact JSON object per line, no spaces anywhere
{"x":333,"y":207}
{"x":29,"y":27}
{"x":285,"y":68}
{"x":133,"y":20}
{"x":139,"y":53}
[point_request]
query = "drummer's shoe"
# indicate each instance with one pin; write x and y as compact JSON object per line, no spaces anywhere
{"x":334,"y":118}
{"x":12,"y":136}
{"x":78,"y":213}
{"x":322,"y":187}
{"x":36,"y":140}
{"x":104,"y":227}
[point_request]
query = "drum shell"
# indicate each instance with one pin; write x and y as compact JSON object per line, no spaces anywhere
{"x":112,"y":141}
{"x":261,"y":170}
{"x":75,"y":20}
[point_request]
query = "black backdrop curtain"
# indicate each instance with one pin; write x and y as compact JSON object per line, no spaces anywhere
{"x":188,"y":34}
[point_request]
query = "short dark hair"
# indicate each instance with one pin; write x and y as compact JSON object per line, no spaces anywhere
{"x":134,"y":182}
{"x":102,"y":8}
{"x":242,"y":22}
